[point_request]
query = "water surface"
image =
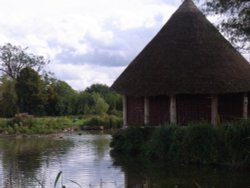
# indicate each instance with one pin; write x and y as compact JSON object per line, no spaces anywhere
{"x":35,"y":162}
{"x":85,"y":161}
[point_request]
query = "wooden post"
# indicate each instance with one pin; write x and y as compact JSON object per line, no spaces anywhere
{"x":214,"y":110}
{"x":245,"y":106}
{"x":146,"y":111}
{"x":173,"y":118}
{"x":124,"y":110}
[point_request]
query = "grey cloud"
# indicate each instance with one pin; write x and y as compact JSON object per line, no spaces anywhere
{"x":98,"y":56}
{"x":124,"y":46}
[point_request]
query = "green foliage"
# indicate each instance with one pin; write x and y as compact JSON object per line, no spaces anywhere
{"x":100,"y":106}
{"x":160,"y":142}
{"x":30,"y":92}
{"x":113,"y":99}
{"x":235,"y":23}
{"x":23,"y":89}
{"x":64,"y":95}
{"x":23,"y":119}
{"x":115,"y":121}
{"x":3,"y":123}
{"x":130,"y":141}
{"x":52,"y":101}
{"x":201,"y":144}
{"x":197,"y":144}
{"x":27,"y":124}
{"x":107,"y":121}
{"x":98,"y":88}
{"x":63,"y":100}
{"x":178,"y":151}
{"x":8,"y":97}
{"x":237,"y":142}
{"x":84,"y":102}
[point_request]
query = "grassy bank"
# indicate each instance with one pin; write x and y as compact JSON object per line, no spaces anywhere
{"x":194,"y":144}
{"x":26,"y":124}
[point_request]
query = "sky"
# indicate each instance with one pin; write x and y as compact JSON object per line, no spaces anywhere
{"x":86,"y":41}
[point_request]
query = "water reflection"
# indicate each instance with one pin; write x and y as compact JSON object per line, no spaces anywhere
{"x":22,"y":159}
{"x":100,"y":146}
{"x":92,"y":162}
{"x":35,"y":162}
{"x":85,"y":159}
{"x":140,"y":174}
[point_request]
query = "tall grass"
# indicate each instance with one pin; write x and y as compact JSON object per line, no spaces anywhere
{"x":195,"y":143}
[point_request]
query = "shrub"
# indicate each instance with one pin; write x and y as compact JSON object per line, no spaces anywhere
{"x":130,"y":141}
{"x":160,"y":142}
{"x":237,"y":142}
{"x":115,"y":121}
{"x":178,"y":149}
{"x":197,"y":143}
{"x":201,"y":144}
{"x":26,"y":124}
{"x":3,"y":124}
{"x":21,"y":119}
{"x":106,"y":121}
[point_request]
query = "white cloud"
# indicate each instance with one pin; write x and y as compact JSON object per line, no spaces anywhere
{"x":82,"y":76}
{"x":86,"y":41}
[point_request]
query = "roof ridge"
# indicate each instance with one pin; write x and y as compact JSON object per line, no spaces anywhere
{"x":188,"y":5}
{"x":187,"y":56}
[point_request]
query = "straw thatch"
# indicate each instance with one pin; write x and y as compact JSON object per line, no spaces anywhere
{"x":187,"y":56}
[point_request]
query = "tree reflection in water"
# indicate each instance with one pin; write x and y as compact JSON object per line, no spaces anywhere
{"x":22,"y":159}
{"x":100,"y":145}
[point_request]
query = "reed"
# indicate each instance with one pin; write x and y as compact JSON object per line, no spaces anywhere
{"x":193,"y":144}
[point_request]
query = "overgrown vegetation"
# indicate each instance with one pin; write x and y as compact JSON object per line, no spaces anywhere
{"x":106,"y":121}
{"x":194,"y":144}
{"x":28,"y":124}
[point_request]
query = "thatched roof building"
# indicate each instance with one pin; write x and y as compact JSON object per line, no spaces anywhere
{"x":188,"y":65}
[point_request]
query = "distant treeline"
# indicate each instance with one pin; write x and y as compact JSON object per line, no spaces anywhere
{"x":42,"y":95}
{"x":25,"y":87}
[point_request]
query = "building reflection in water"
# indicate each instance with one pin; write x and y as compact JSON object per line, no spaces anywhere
{"x":141,"y":174}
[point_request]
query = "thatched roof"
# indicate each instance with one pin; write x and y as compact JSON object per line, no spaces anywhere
{"x":187,"y":56}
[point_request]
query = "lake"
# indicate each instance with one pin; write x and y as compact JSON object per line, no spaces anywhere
{"x":84,"y":160}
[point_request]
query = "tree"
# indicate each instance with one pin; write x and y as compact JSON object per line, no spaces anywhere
{"x":113,"y":99}
{"x":236,"y":19}
{"x":100,"y":106}
{"x":52,"y":101}
{"x":15,"y":58}
{"x":102,"y":89}
{"x":8,"y":97}
{"x":84,"y":103}
{"x":30,"y":90}
{"x":65,"y":97}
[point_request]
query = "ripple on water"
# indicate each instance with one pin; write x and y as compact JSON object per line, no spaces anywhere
{"x":83,"y":159}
